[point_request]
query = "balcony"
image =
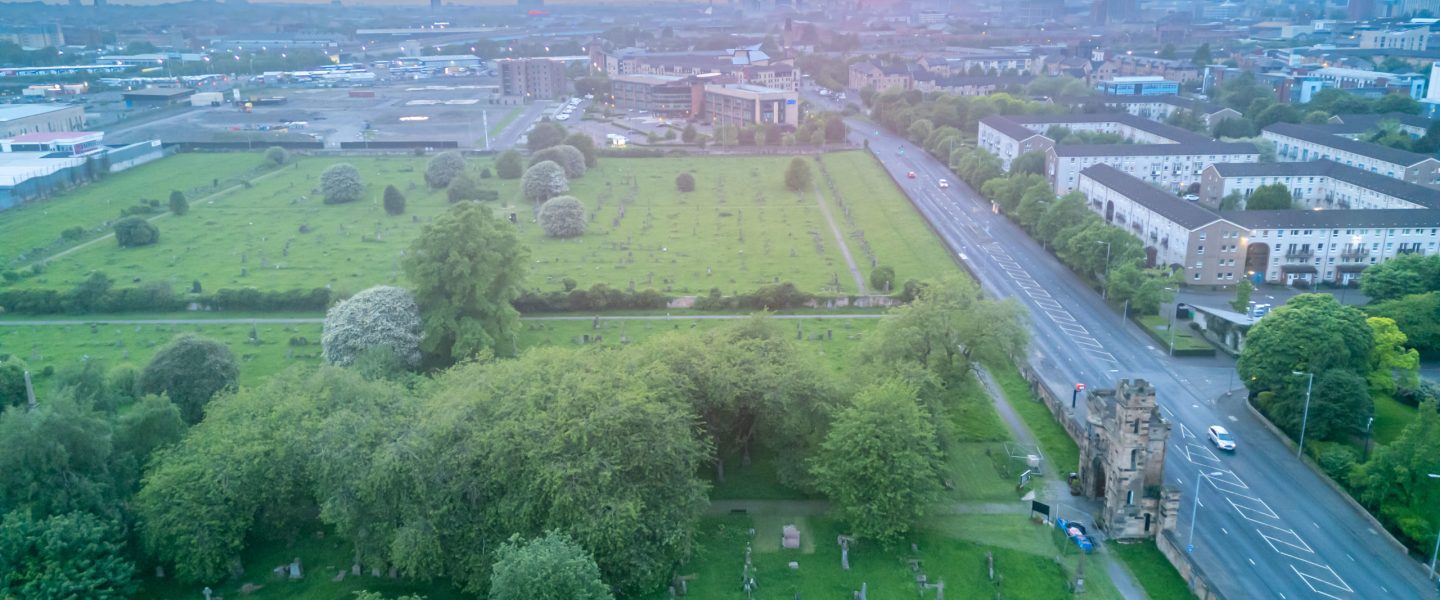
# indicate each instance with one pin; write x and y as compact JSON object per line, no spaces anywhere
{"x":1300,"y":254}
{"x":1411,"y":250}
{"x":1354,"y":254}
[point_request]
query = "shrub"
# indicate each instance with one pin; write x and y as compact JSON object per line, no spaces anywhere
{"x":485,"y":173}
{"x":178,"y":204}
{"x":190,"y":370}
{"x":882,"y":279}
{"x":685,"y":182}
{"x":688,"y":134}
{"x":462,"y":187}
{"x":586,"y":145}
{"x":382,"y":317}
{"x":394,"y":201}
{"x":797,"y":175}
{"x":135,"y":231}
{"x":510,"y":165}
{"x":340,"y":183}
{"x":562,"y":217}
{"x":544,"y":135}
{"x":543,"y":181}
{"x":568,"y":157}
{"x":276,"y":156}
{"x":73,"y":233}
{"x":445,"y":167}
{"x":1337,"y":461}
{"x":124,"y":380}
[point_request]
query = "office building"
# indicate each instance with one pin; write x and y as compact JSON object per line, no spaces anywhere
{"x":1142,"y":85}
{"x":745,"y":105}
{"x":659,"y":94}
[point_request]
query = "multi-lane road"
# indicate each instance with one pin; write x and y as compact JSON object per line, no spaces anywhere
{"x":1266,"y":527}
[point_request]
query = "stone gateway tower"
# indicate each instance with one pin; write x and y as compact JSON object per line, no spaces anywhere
{"x":1122,"y":459}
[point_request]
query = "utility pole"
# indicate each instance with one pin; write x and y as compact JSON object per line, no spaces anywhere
{"x":485,"y":123}
{"x":30,"y":393}
{"x":1305,"y":420}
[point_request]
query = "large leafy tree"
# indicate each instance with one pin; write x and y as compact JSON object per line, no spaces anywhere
{"x":444,"y":168}
{"x":552,"y":567}
{"x":586,"y":145}
{"x":562,"y":217}
{"x":1274,"y":196}
{"x":568,"y":157}
{"x":510,"y":165}
{"x":56,"y":459}
{"x":1417,"y":315}
{"x":380,"y":318}
{"x":797,"y":175}
{"x":1401,"y":276}
{"x":880,"y":462}
{"x":12,"y":381}
{"x":1395,"y":482}
{"x":1391,"y":362}
{"x":544,"y":180}
{"x":340,"y":183}
{"x":946,"y":327}
{"x":466,"y":267}
{"x":190,"y":370}
{"x":74,"y":555}
{"x":131,"y":232}
{"x":544,"y":135}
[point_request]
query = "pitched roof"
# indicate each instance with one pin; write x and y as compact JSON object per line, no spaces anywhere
{"x":1363,"y":123}
{"x":1186,"y":214}
{"x":1008,"y":127}
{"x":1171,"y":132}
{"x":1317,"y":135}
{"x":1329,"y":219}
{"x":1188,"y":148}
{"x":1389,"y":186}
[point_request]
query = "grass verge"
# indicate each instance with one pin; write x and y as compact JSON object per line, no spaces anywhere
{"x":1151,"y":569}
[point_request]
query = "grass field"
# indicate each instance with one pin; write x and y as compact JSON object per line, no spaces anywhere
{"x":1152,"y":569}
{"x":59,"y":346}
{"x":740,"y":229}
{"x":38,"y":224}
{"x":1391,"y":417}
{"x":1059,"y":449}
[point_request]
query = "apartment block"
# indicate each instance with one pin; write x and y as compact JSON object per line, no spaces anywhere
{"x":1305,"y":143}
{"x":1170,"y":166}
{"x":540,"y":78}
{"x":1317,"y":185}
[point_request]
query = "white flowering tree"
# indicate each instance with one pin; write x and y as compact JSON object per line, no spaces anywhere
{"x":544,"y":180}
{"x":562,"y":217}
{"x":380,"y":317}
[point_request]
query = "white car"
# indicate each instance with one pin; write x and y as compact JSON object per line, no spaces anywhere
{"x":944,"y":184}
{"x":1221,"y":438}
{"x":562,"y":117}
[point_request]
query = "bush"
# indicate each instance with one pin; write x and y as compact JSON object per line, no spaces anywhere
{"x":73,"y":233}
{"x":485,"y":173}
{"x":340,"y":183}
{"x":598,"y":297}
{"x":394,"y":201}
{"x":562,"y":217}
{"x":685,"y":182}
{"x":797,"y":175}
{"x":1337,"y":461}
{"x":445,"y":167}
{"x":882,"y":279}
{"x":380,"y":318}
{"x":586,"y":145}
{"x":543,"y":181}
{"x":276,"y":156}
{"x":510,"y":165}
{"x":178,"y":204}
{"x":544,"y":135}
{"x":463,"y":187}
{"x":135,"y":231}
{"x":568,"y":157}
{"x":190,"y":370}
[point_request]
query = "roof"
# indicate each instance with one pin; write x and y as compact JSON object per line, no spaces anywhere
{"x":1186,"y":214}
{"x":1008,"y":127}
{"x":1389,"y":186}
{"x":1363,"y":123}
{"x":967,"y":80}
{"x":447,"y":57}
{"x":1171,"y":132}
{"x":1188,"y":148}
{"x":1315,"y":135}
{"x":22,"y":111}
{"x":1329,"y":219}
{"x":53,"y":136}
{"x":159,"y":92}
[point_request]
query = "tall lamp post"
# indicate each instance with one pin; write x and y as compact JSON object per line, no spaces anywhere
{"x":1368,"y":423}
{"x":1105,"y":287}
{"x":1172,"y":320}
{"x":1436,"y":553}
{"x":1305,"y":419}
{"x":1195,"y":507}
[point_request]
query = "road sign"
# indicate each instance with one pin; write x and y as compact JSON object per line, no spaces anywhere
{"x":1079,"y":387}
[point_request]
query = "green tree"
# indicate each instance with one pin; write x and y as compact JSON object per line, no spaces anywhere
{"x":882,"y":279}
{"x":685,"y":182}
{"x":379,"y":318}
{"x":544,"y":135}
{"x":689,"y":134}
{"x":152,"y":423}
{"x":543,"y":181}
{"x":510,"y":165}
{"x":1241,"y":303}
{"x":1202,"y":55}
{"x":462,"y":187}
{"x":132,"y":232}
{"x":1096,"y":248}
{"x":1029,"y":162}
{"x":586,"y":145}
{"x":1167,"y":52}
{"x":12,"y":381}
{"x":394,"y":201}
{"x":340,"y":183}
{"x":1391,"y":360}
{"x":562,"y":217}
{"x":1395,"y":484}
{"x":444,"y":168}
{"x":74,"y":555}
{"x":1234,"y":127}
{"x":276,"y":156}
{"x":190,"y":370}
{"x":55,"y":459}
{"x":797,"y":175}
{"x":1277,"y":113}
{"x":568,"y":157}
{"x":835,"y":130}
{"x":178,"y":204}
{"x":466,"y":267}
{"x":90,"y":295}
{"x":1033,"y":205}
{"x":1274,"y":196}
{"x":880,"y":462}
{"x":919,"y":130}
{"x":948,"y":325}
{"x":552,"y":567}
{"x":1401,"y":276}
{"x":728,"y":135}
{"x":1418,"y":315}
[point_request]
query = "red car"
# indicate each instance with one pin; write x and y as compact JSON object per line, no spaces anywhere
{"x":910,"y":175}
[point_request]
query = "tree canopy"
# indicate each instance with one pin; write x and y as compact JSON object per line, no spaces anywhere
{"x":552,"y":567}
{"x":380,"y":318}
{"x":1274,"y":196}
{"x":562,"y":217}
{"x":544,"y":135}
{"x":510,"y":165}
{"x":797,"y":175}
{"x":444,"y":168}
{"x":568,"y":157}
{"x":340,"y":183}
{"x":135,"y":231}
{"x":544,"y":180}
{"x":190,"y":370}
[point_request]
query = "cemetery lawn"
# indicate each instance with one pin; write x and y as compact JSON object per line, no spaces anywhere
{"x":1055,"y":443}
{"x":1151,"y":569}
{"x":738,"y":230}
{"x":38,"y":224}
{"x":59,"y":346}
{"x":950,"y":548}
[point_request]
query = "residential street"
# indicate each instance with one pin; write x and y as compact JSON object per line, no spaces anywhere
{"x":1267,"y":527}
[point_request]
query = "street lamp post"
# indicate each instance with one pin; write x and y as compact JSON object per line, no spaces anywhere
{"x":1195,"y":507}
{"x":1172,"y":320}
{"x":1305,"y":419}
{"x":1368,"y":423}
{"x":1436,"y":553}
{"x":1104,"y":287}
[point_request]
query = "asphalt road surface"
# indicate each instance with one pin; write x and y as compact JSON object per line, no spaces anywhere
{"x":1266,"y":527}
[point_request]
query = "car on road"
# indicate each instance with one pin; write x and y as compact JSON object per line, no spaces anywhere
{"x":910,"y":175}
{"x":944,"y":184}
{"x":1192,"y":197}
{"x":1221,"y":438}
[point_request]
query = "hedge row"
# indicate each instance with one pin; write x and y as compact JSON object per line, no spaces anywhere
{"x":160,"y":298}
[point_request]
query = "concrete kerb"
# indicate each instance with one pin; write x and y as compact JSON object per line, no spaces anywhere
{"x":1310,"y":464}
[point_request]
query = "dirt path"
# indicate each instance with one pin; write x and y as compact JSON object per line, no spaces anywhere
{"x":107,"y":236}
{"x":840,"y":241}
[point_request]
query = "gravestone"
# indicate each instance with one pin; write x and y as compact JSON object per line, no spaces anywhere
{"x":295,"y":569}
{"x":790,"y":537}
{"x":208,"y":592}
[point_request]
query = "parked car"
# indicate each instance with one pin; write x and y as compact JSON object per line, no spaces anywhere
{"x":1221,"y":438}
{"x":910,"y":175}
